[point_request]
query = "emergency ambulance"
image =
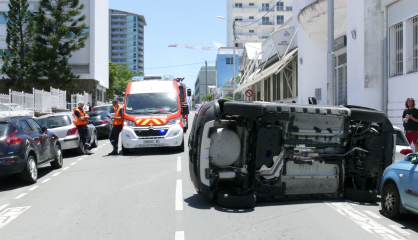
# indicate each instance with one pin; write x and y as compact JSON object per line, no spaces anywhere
{"x":153,"y":114}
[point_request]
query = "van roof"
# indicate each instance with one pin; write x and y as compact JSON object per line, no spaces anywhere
{"x":152,"y":87}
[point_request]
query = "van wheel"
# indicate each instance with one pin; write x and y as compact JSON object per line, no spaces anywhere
{"x":390,"y":201}
{"x":181,"y":147}
{"x":358,"y":195}
{"x":125,"y":151}
{"x":30,"y":173}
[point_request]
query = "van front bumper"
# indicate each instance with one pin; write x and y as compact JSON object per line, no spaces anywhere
{"x":173,"y":137}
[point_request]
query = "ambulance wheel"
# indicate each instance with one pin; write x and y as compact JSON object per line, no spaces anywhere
{"x":181,"y":147}
{"x":125,"y":151}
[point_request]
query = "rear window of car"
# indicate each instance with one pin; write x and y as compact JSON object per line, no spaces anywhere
{"x":96,"y":117}
{"x":401,"y":139}
{"x":6,"y":129}
{"x":55,"y":122}
{"x":108,"y":108}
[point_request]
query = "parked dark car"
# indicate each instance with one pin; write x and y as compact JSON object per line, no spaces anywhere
{"x":101,"y":120}
{"x":25,"y":146}
{"x":107,"y":107}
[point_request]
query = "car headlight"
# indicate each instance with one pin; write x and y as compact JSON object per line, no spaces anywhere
{"x":173,"y":121}
{"x":128,"y":123}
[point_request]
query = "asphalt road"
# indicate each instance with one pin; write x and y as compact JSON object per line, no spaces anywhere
{"x":148,"y":195}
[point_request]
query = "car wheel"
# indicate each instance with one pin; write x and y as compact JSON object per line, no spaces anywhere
{"x":95,"y":142}
{"x":390,"y":201}
{"x":181,"y":147}
{"x":243,"y":109}
{"x":80,"y":149}
{"x":125,"y":151}
{"x":30,"y":173}
{"x":57,"y":163}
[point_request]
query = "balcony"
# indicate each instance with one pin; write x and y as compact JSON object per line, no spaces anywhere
{"x":248,"y":37}
{"x":245,"y":10}
{"x":246,"y":23}
{"x":118,"y":51}
{"x":141,"y":35}
{"x":266,"y":23}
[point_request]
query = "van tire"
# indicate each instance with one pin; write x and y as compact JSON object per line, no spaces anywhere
{"x":181,"y":147}
{"x":227,"y":200}
{"x":243,"y":109}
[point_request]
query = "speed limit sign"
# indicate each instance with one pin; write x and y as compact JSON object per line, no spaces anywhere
{"x":249,"y":93}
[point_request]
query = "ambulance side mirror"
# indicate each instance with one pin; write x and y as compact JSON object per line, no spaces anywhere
{"x":185,"y":109}
{"x":189,"y":92}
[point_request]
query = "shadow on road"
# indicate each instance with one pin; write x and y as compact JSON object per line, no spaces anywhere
{"x":145,"y":152}
{"x":199,"y":202}
{"x":14,"y":182}
{"x":408,"y":221}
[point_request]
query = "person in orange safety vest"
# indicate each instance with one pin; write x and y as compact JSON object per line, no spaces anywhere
{"x":117,"y":126}
{"x":81,"y":122}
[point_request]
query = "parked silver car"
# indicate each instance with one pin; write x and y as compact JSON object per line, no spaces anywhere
{"x":63,"y":125}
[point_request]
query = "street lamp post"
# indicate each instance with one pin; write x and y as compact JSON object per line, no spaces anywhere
{"x":206,"y":70}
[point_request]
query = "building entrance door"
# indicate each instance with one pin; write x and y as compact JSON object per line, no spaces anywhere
{"x":341,"y":78}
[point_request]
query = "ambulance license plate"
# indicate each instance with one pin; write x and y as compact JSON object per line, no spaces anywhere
{"x":148,"y":141}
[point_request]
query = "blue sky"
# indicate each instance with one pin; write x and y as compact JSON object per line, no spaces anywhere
{"x":191,"y":22}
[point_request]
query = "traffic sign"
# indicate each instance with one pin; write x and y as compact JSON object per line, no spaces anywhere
{"x":249,"y":93}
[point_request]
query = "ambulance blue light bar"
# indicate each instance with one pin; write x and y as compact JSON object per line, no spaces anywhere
{"x":153,"y":77}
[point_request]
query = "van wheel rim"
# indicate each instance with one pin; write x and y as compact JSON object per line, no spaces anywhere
{"x":390,"y":201}
{"x":32,"y":169}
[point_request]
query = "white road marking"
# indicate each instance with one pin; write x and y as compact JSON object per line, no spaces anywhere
{"x":4,"y":206}
{"x":79,"y":159}
{"x":99,"y":147}
{"x":46,"y":180}
{"x":400,"y":230}
{"x":33,"y":188}
{"x":66,"y":168}
{"x":20,"y":196}
{"x":73,"y":163}
{"x":179,"y":195}
{"x":11,"y":213}
{"x":178,"y":164}
{"x":364,"y":221}
{"x":179,"y":235}
{"x":372,"y":214}
{"x":56,"y":174}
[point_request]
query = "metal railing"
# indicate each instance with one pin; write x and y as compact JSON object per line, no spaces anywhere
{"x":75,"y":98}
{"x":58,"y":98}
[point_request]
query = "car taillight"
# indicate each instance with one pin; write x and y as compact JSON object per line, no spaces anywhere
{"x":406,"y":151}
{"x":104,"y":122}
{"x":72,"y":131}
{"x":92,"y":109}
{"x":12,"y":140}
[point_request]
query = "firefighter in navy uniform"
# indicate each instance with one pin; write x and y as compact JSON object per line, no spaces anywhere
{"x":81,"y":124}
{"x":117,"y":127}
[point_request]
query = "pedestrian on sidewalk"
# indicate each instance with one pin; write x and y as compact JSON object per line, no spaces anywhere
{"x":81,"y":122}
{"x":410,"y":122}
{"x":117,"y":126}
{"x":87,"y":107}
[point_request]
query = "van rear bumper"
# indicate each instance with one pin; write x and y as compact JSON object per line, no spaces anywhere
{"x":173,"y":138}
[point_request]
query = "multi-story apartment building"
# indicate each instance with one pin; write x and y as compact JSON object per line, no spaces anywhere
{"x":201,"y":86}
{"x":255,"y":19}
{"x":90,"y":62}
{"x":126,"y":31}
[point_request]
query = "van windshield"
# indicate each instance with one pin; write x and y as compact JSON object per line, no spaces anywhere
{"x":155,"y":103}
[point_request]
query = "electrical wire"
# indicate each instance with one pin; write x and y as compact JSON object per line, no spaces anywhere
{"x":262,"y":16}
{"x":187,"y":64}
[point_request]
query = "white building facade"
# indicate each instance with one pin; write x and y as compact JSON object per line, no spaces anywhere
{"x":90,"y":62}
{"x":126,"y":32}
{"x":255,"y":20}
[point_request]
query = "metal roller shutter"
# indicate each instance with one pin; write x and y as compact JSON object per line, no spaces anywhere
{"x":402,"y":10}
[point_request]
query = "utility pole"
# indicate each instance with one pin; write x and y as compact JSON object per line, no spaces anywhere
{"x":330,"y":63}
{"x":233,"y":60}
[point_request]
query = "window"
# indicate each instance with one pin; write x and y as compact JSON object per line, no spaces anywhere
{"x":396,"y":46}
{"x":266,"y":21}
{"x":238,"y":5}
{"x":289,"y":8}
{"x":34,"y":125}
{"x":251,"y":4}
{"x":251,"y":31}
{"x":238,"y":19}
{"x":280,"y":6}
{"x":121,"y":42}
{"x":121,"y":48}
{"x":114,"y":42}
{"x":115,"y":60}
{"x":415,"y":44}
{"x":229,"y":60}
{"x":264,"y":37}
{"x":115,"y":54}
{"x":265,"y":7}
{"x":25,"y":126}
{"x":122,"y":54}
{"x":251,"y":17}
{"x":280,"y":19}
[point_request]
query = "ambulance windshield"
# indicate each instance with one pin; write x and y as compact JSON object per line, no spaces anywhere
{"x":156,"y":103}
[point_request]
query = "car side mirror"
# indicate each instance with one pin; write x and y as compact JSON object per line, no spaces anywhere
{"x":44,"y":129}
{"x":412,"y":158}
{"x":185,"y":110}
{"x":189,"y":92}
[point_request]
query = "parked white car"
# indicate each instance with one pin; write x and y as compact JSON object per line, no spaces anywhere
{"x":402,"y":146}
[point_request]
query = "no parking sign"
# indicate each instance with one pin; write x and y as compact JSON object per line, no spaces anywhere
{"x":249,"y":93}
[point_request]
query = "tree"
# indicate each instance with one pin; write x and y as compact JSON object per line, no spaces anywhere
{"x":60,"y":31}
{"x":209,"y":97}
{"x":19,"y":43}
{"x":228,"y":98}
{"x":113,"y":73}
{"x":123,"y":77}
